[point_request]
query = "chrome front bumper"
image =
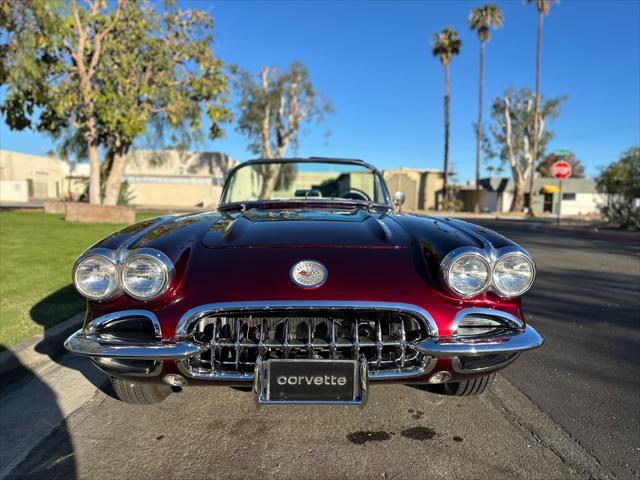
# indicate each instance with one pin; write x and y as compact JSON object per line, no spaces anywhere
{"x":92,"y":346}
{"x":516,"y":342}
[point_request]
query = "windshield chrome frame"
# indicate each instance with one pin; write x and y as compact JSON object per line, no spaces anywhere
{"x":260,"y":161}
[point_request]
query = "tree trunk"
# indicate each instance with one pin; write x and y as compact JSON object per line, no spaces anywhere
{"x":446,"y":203}
{"x":269,"y":174}
{"x":265,"y":130}
{"x":517,"y":205}
{"x":479,"y":135}
{"x":536,"y":121}
{"x":114,"y":180}
{"x":94,"y":173}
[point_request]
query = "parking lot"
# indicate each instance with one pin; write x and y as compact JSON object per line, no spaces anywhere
{"x":568,"y":410}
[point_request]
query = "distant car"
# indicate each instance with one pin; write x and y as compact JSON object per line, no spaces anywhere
{"x":302,"y":299}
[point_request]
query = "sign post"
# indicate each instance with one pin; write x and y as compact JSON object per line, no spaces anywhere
{"x":561,"y":170}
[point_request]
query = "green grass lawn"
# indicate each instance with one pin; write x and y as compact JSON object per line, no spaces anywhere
{"x":37,"y":251}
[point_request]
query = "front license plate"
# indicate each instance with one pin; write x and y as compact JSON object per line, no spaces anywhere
{"x":312,"y":381}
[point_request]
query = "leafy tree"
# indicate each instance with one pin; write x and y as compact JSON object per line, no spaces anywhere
{"x":272,"y":112}
{"x":445,"y":46}
{"x":51,"y":53}
{"x":621,"y":182}
{"x":482,"y":20}
{"x":544,"y":168}
{"x":105,"y":75}
{"x":543,"y":7}
{"x":159,"y":70}
{"x":513,"y":135}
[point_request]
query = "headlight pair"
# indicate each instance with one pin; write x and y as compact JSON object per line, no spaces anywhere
{"x":469,"y":273}
{"x":145,"y":274}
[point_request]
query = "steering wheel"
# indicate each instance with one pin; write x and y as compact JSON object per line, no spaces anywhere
{"x":356,"y":194}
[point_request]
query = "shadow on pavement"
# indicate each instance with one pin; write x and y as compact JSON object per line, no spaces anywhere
{"x":19,"y":420}
{"x":60,"y":303}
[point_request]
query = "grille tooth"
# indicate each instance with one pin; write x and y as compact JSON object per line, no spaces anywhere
{"x":234,"y":341}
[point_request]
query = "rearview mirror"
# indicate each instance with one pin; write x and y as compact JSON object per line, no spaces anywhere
{"x":398,"y":199}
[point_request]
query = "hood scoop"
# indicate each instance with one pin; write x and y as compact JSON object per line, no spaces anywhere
{"x":263,"y":228}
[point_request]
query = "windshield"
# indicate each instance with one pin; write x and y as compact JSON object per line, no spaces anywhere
{"x":304,"y":180}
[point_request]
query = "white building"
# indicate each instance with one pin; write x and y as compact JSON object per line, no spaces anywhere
{"x":579,"y":196}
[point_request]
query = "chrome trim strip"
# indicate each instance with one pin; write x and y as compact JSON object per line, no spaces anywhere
{"x":526,"y":339}
{"x":92,"y":328}
{"x":429,"y":365}
{"x":195,"y":314}
{"x":89,"y":345}
{"x":221,"y":376}
{"x":513,"y":321}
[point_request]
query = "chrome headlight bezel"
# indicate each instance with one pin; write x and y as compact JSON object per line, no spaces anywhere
{"x":491,"y":257}
{"x":513,"y":253}
{"x":160,"y":259}
{"x":456,"y":256}
{"x":119,"y":261}
{"x":106,"y":256}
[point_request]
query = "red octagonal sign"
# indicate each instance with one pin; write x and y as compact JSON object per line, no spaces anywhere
{"x":561,"y":169}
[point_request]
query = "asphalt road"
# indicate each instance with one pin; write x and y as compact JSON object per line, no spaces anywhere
{"x":569,"y":410}
{"x":586,"y":303}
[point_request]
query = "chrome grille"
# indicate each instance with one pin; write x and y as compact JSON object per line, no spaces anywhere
{"x":235,"y":341}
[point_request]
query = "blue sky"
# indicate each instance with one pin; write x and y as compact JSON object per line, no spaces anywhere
{"x":373,"y":61}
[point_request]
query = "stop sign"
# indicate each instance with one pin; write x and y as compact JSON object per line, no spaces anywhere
{"x":561,"y":169}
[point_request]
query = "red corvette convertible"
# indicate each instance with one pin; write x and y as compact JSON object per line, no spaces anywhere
{"x":306,"y":287}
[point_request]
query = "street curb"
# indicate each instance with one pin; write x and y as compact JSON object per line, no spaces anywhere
{"x":16,"y":361}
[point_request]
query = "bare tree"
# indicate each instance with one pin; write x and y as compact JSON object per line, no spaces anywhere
{"x":514,"y":134}
{"x":272,"y":112}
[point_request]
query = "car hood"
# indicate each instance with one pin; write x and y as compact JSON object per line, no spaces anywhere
{"x":356,"y":227}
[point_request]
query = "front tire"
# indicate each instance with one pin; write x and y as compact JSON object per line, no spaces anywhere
{"x":139,"y":393}
{"x":467,"y":388}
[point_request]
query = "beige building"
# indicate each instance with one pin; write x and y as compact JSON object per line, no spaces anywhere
{"x":170,"y":178}
{"x":28,"y":177}
{"x":420,"y":187}
{"x":156,"y":178}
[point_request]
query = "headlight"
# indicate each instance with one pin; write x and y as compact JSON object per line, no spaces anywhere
{"x":513,"y":274}
{"x":96,"y":277}
{"x":468,"y":275}
{"x":146,"y":276}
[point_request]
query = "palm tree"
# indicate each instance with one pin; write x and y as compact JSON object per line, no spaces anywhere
{"x":543,"y":7}
{"x":446,"y":44}
{"x":481,"y":20}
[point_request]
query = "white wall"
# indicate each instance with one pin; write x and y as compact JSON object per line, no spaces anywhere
{"x":584,"y":203}
{"x":14,"y":191}
{"x":507,"y":198}
{"x":489,"y":200}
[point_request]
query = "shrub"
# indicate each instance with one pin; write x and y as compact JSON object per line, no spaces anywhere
{"x":621,"y":182}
